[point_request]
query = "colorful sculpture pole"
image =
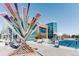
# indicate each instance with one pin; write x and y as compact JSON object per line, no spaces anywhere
{"x":25,"y":20}
{"x":16,"y":17}
{"x":23,"y":33}
{"x":6,"y":16}
{"x":11,"y":23}
{"x":31,"y":26}
{"x":10,"y":9}
{"x":16,"y":7}
{"x":20,"y":21}
{"x":20,"y":26}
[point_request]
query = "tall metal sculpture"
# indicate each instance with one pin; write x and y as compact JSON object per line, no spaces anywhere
{"x":20,"y":25}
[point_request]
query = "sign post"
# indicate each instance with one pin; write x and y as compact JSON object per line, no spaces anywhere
{"x":56,"y":44}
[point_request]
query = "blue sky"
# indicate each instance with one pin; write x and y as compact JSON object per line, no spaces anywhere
{"x":66,"y":15}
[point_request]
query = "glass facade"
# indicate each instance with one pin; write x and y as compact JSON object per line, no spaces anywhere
{"x":52,"y":29}
{"x":43,"y":30}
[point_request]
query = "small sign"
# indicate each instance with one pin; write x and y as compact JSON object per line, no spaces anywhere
{"x":56,"y":43}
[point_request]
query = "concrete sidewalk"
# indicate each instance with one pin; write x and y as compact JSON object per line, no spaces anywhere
{"x":49,"y":50}
{"x":5,"y":50}
{"x":42,"y":49}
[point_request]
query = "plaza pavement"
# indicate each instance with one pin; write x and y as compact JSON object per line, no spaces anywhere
{"x":7,"y":50}
{"x":43,"y":49}
{"x":48,"y":50}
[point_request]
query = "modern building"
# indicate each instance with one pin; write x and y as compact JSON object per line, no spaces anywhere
{"x":7,"y":34}
{"x":52,"y":29}
{"x":41,"y":32}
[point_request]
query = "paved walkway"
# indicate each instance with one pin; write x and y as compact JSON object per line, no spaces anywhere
{"x":5,"y":50}
{"x":49,"y":50}
{"x":42,"y":49}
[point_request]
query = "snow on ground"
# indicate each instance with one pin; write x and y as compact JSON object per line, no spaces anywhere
{"x":5,"y":50}
{"x":49,"y":50}
{"x":43,"y":49}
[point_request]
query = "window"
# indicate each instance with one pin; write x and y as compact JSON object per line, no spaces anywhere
{"x":43,"y":30}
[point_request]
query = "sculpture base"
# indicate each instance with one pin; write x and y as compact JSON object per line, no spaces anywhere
{"x":23,"y":49}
